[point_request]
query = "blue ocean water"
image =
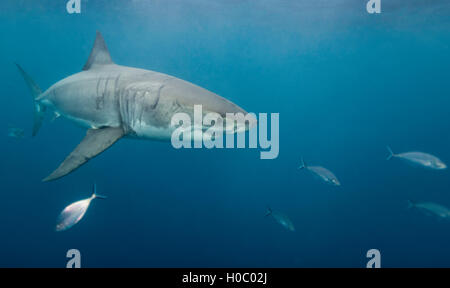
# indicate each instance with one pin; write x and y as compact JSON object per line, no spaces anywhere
{"x":345,"y":83}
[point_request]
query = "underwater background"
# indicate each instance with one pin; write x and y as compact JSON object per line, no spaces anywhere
{"x":346,"y":84}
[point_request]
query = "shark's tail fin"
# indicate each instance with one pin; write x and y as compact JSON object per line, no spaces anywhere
{"x":391,"y":154}
{"x":268,"y":211}
{"x":39,"y":109}
{"x":303,"y":164}
{"x":410,"y":204}
{"x":94,"y":193}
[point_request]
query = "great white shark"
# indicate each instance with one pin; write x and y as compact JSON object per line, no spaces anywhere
{"x":114,"y":101}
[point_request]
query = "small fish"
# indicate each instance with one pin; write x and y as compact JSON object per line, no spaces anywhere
{"x":431,"y":208}
{"x":323,"y":173}
{"x":15,"y":132}
{"x":419,"y":159}
{"x":281,"y":219}
{"x":73,"y":213}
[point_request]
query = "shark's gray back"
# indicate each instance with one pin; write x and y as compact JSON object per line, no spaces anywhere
{"x":113,"y":95}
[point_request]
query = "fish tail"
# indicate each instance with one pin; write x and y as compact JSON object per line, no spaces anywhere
{"x":95,"y":195}
{"x":410,"y":204}
{"x":268,"y":211}
{"x":303,"y":165}
{"x":39,"y":109}
{"x":391,"y":154}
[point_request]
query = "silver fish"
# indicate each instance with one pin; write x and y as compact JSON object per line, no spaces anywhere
{"x":322,"y":173}
{"x":419,"y":159}
{"x":73,"y":213}
{"x":431,"y":208}
{"x":281,"y":219}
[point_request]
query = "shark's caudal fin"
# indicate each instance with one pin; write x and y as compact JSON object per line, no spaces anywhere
{"x":39,"y":110}
{"x":391,"y":154}
{"x":303,"y":165}
{"x":99,"y":54}
{"x":95,"y":142}
{"x":410,"y":203}
{"x":268,"y":211}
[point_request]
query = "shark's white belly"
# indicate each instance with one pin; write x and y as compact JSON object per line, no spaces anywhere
{"x":143,"y":130}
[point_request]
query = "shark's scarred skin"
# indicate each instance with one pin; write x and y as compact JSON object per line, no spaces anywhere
{"x":114,"y":101}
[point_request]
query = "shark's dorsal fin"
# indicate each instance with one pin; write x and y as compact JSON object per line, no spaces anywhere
{"x":99,"y":54}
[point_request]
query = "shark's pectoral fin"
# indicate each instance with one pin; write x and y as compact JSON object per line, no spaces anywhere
{"x":95,"y":142}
